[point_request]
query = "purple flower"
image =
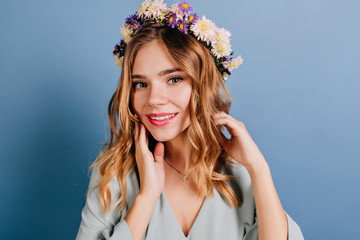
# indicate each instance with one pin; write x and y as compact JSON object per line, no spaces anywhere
{"x":182,"y":26}
{"x":116,"y":49}
{"x":119,"y":49}
{"x":132,"y":20}
{"x":122,"y":43}
{"x":193,"y":18}
{"x":185,"y":7}
{"x":171,"y":20}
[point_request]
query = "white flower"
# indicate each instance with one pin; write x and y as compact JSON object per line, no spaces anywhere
{"x":155,"y":9}
{"x":222,"y":35}
{"x":233,"y":63}
{"x":160,"y":4}
{"x":118,"y":60}
{"x":143,"y":7}
{"x":221,"y":49}
{"x":126,"y":32}
{"x":179,"y":13}
{"x":204,"y":30}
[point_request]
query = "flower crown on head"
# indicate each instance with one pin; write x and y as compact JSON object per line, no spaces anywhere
{"x":179,"y":16}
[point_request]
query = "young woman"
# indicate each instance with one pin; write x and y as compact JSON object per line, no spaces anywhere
{"x":168,"y":172}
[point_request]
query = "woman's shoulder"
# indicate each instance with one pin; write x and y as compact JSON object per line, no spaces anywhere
{"x":93,"y":203}
{"x":132,"y":183}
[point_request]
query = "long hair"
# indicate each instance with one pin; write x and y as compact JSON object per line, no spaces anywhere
{"x":209,"y":95}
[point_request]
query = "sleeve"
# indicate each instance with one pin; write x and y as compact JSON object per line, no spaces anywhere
{"x":294,"y":232}
{"x":242,"y":185}
{"x":94,"y":224}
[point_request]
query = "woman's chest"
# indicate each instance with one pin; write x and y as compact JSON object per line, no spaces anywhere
{"x":185,"y":208}
{"x":213,"y":221}
{"x":184,"y":198}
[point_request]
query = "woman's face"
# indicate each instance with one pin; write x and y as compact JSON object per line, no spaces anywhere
{"x":160,"y":92}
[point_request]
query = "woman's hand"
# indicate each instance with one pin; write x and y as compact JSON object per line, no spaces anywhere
{"x":152,"y":177}
{"x":151,"y":167}
{"x":240,"y":146}
{"x":271,"y":218}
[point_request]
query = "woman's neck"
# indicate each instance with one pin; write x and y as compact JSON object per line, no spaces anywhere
{"x":178,"y":151}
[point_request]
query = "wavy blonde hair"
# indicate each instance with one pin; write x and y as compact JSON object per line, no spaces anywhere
{"x":209,"y":95}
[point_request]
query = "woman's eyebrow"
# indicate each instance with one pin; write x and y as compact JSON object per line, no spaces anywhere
{"x":171,"y":70}
{"x":162,"y":73}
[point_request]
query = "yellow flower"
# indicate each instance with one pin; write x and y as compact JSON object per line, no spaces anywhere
{"x":185,"y":6}
{"x":181,"y":26}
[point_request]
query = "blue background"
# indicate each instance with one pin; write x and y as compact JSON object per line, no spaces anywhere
{"x":296,"y":92}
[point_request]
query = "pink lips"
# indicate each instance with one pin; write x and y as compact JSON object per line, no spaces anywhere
{"x":160,"y":122}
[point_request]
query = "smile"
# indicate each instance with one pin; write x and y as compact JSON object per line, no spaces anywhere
{"x":164,"y":117}
{"x":161,"y":119}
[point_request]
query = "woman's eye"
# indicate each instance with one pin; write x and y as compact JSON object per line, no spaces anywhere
{"x":175,"y":79}
{"x":139,"y":85}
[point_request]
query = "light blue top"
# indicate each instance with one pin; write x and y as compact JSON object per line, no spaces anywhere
{"x":216,"y":219}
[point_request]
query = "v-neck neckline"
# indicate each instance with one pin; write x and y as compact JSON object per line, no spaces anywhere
{"x":177,"y":221}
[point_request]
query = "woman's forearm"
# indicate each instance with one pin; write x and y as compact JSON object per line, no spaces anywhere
{"x":138,"y":216}
{"x":271,"y":218}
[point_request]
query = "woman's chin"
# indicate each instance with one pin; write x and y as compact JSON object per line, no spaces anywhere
{"x":161,"y":138}
{"x":163,"y":135}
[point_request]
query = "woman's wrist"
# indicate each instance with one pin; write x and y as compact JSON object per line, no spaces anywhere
{"x":257,"y":168}
{"x":139,"y":215}
{"x":148,"y":197}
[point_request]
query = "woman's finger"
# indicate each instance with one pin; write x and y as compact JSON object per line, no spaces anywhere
{"x":136,"y":132}
{"x":226,"y":122}
{"x":136,"y":128}
{"x":220,"y":115}
{"x":143,"y":140}
{"x":142,"y":135}
{"x":232,"y":125}
{"x":147,"y":136}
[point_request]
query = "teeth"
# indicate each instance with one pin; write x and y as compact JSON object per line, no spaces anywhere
{"x":163,"y":117}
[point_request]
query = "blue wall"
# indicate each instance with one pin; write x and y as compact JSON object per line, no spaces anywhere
{"x":296,"y":92}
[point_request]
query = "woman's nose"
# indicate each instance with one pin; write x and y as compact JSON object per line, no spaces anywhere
{"x":157,"y":96}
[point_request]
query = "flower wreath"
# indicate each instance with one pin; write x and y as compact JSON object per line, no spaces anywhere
{"x":179,"y":16}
